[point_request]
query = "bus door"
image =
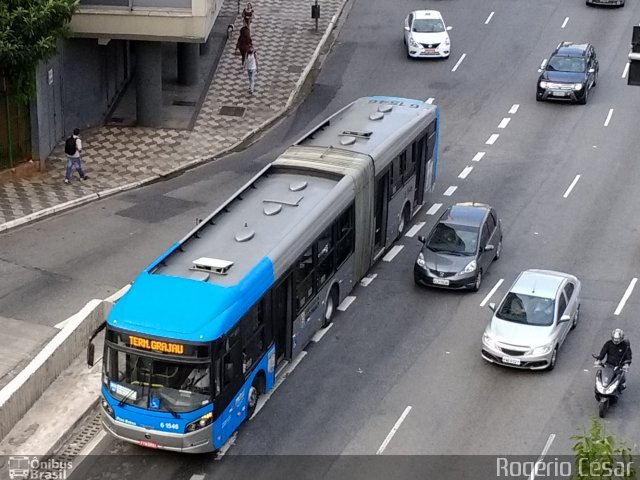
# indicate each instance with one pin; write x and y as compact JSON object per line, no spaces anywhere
{"x":420,"y":155}
{"x":381,"y":205}
{"x":281,"y":315}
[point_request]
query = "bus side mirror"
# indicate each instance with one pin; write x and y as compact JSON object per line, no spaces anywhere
{"x":91,"y":350}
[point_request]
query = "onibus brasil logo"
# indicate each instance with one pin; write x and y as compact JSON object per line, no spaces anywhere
{"x":33,"y":468}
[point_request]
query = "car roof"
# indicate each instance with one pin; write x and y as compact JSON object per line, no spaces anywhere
{"x":540,"y":283}
{"x":471,"y":214}
{"x":570,"y":49}
{"x":426,"y":14}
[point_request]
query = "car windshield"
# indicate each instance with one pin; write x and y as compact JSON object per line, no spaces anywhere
{"x":156,"y":384}
{"x":527,"y":309}
{"x":454,"y":239}
{"x":566,"y":64}
{"x":426,"y":25}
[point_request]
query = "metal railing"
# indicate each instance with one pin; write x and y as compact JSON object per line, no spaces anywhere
{"x":133,"y":4}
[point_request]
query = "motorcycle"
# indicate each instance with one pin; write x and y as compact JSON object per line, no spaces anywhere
{"x":608,"y":384}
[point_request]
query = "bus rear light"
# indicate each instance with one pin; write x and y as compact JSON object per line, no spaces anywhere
{"x":202,"y":422}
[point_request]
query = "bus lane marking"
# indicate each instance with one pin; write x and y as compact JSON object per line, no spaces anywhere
{"x":321,"y":333}
{"x":478,"y":156}
{"x":392,"y":253}
{"x":505,"y":121}
{"x":490,"y":294}
{"x":464,"y":173}
{"x":459,"y":62}
{"x":197,"y":476}
{"x":492,"y":139}
{"x":449,"y":191}
{"x":346,"y":302}
{"x":393,"y":430}
{"x":545,"y":450}
{"x":486,"y":22}
{"x":626,"y":70}
{"x":434,"y":208}
{"x":370,"y":278}
{"x":573,"y":184}
{"x":564,"y":24}
{"x":415,"y":229}
{"x":514,"y":108}
{"x":606,"y":122}
{"x":626,"y":296}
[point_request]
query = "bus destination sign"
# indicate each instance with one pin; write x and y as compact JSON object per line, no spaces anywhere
{"x":156,"y":345}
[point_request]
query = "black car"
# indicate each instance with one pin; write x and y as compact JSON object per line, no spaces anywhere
{"x":463,"y":243}
{"x":570,"y":73}
{"x":615,"y":3}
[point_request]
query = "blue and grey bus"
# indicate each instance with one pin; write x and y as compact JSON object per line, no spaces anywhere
{"x":202,"y":331}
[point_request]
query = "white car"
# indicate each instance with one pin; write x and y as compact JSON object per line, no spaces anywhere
{"x":425,"y":35}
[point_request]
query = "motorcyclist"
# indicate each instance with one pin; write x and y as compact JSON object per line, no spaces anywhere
{"x":617,"y":352}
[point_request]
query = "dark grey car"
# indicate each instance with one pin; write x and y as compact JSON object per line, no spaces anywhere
{"x":460,"y":248}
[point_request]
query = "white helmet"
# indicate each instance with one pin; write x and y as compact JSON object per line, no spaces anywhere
{"x":617,"y":335}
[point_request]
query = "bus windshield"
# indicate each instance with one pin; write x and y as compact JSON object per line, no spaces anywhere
{"x":155,"y":384}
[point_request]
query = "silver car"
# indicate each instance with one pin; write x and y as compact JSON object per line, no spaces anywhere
{"x":532,"y":321}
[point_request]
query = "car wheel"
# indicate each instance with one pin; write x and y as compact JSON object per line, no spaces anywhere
{"x":330,"y":307}
{"x":575,"y":319}
{"x":585,"y":98}
{"x":538,"y":98}
{"x":476,"y":285}
{"x":554,"y":359}
{"x":498,"y":250}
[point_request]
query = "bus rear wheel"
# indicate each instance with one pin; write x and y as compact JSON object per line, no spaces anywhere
{"x":330,"y":307}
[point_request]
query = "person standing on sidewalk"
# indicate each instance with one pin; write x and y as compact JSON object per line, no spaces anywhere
{"x":244,"y":43}
{"x":252,"y":68}
{"x":73,"y":148}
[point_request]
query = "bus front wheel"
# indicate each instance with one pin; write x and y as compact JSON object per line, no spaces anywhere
{"x":330,"y":307}
{"x":257,"y":387}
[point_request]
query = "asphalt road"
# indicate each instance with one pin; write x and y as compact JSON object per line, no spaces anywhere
{"x":398,"y":345}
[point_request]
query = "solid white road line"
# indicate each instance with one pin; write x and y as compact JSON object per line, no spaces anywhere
{"x":415,"y":229}
{"x":514,"y":108}
{"x":564,"y":24}
{"x":542,"y":65}
{"x":321,"y":333}
{"x":490,"y":294}
{"x":573,"y":184}
{"x":542,"y":455}
{"x":465,"y":172}
{"x":505,"y":121}
{"x":459,"y":62}
{"x":392,"y":253}
{"x":430,"y":100}
{"x":626,"y":296}
{"x":393,"y":430}
{"x":346,"y":302}
{"x":197,"y":476}
{"x":492,"y":139}
{"x":606,"y":122}
{"x":489,"y":18}
{"x":449,"y":191}
{"x":434,"y":208}
{"x":369,"y":278}
{"x":626,"y":70}
{"x":478,"y":156}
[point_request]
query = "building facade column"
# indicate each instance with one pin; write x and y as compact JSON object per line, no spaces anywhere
{"x":148,"y":83}
{"x":188,"y":63}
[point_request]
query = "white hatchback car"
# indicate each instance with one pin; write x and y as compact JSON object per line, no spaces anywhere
{"x":425,"y":35}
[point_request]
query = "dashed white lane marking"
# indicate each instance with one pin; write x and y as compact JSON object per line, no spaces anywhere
{"x":321,"y":333}
{"x":492,"y":139}
{"x":434,"y":208}
{"x":449,"y":191}
{"x":606,"y":122}
{"x":542,"y":65}
{"x":392,"y":253}
{"x":564,"y":24}
{"x":415,"y":229}
{"x":625,"y":71}
{"x":542,"y":455}
{"x":489,"y":18}
{"x":346,"y":302}
{"x":197,"y":476}
{"x":514,"y":108}
{"x":459,"y":62}
{"x":626,"y":296}
{"x":465,"y":172}
{"x":490,"y":294}
{"x":366,"y":281}
{"x":505,"y":121}
{"x":393,"y":430}
{"x":478,"y":156}
{"x":573,"y":184}
{"x":430,"y":100}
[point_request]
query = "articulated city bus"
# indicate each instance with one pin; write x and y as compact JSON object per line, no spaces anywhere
{"x":202,"y":331}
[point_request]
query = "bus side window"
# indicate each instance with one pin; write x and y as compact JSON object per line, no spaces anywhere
{"x":252,"y":325}
{"x":431,"y":141}
{"x":324,"y":260}
{"x":303,"y":280}
{"x":345,"y":243}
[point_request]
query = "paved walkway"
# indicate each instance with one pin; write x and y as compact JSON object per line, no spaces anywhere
{"x":119,"y":158}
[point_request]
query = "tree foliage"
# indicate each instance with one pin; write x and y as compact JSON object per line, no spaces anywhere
{"x":29,"y":31}
{"x":599,"y":456}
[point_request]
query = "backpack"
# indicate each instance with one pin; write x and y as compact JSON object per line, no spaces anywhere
{"x":70,"y":147}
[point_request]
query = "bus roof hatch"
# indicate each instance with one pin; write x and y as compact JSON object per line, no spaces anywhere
{"x":212,"y":265}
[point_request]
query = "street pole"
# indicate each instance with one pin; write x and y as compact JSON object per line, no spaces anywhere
{"x":8,"y":113}
{"x":317,"y":16}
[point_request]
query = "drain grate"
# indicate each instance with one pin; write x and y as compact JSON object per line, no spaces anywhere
{"x":232,"y":111}
{"x":184,"y":103}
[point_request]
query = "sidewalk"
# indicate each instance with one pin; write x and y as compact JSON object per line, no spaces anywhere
{"x":121,"y":158}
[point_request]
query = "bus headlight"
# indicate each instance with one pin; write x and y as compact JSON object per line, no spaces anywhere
{"x":202,"y":422}
{"x":107,"y":408}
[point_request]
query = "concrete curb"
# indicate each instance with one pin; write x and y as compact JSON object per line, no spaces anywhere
{"x":198,"y":160}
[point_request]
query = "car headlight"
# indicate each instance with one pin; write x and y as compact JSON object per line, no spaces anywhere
{"x":202,"y":422}
{"x":577,"y":86}
{"x":471,"y":267}
{"x":413,"y":43}
{"x":447,"y":42}
{"x":488,"y":340}
{"x":541,"y":350}
{"x":420,"y":261}
{"x":544,"y":84}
